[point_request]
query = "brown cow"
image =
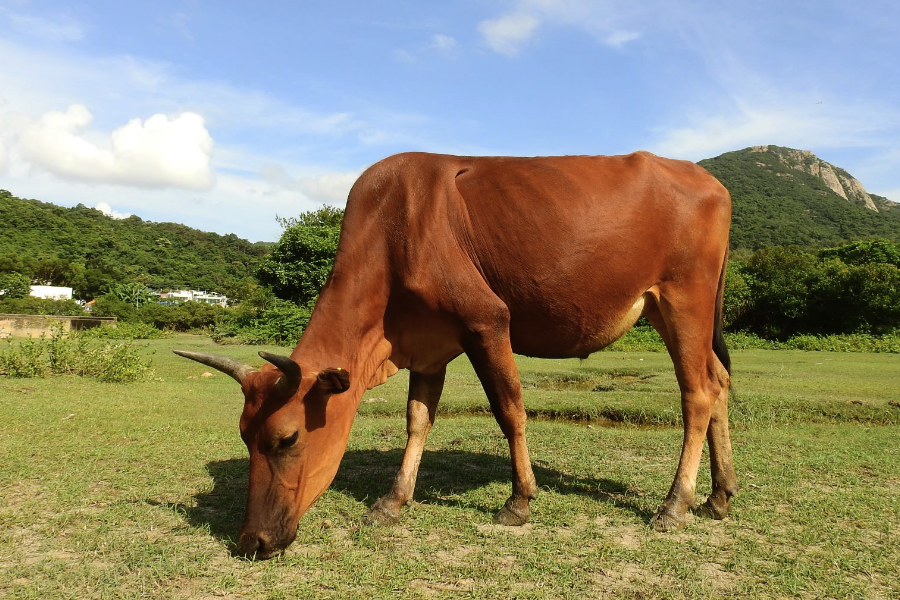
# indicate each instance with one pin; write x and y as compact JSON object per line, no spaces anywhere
{"x":551,"y":257}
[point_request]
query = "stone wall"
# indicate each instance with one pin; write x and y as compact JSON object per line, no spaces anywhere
{"x":36,"y":325}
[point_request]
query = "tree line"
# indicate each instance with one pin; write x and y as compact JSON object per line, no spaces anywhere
{"x":774,"y":292}
{"x":84,"y":249}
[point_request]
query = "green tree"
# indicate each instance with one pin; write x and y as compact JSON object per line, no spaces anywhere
{"x":14,"y":285}
{"x":134,"y":294}
{"x":301,"y":261}
{"x":865,"y":252}
{"x":779,"y":280}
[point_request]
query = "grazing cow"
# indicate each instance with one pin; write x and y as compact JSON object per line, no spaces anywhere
{"x":550,"y":257}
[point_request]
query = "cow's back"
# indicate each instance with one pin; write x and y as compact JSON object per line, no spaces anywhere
{"x":567,"y":243}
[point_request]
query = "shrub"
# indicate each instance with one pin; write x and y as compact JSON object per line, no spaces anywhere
{"x":30,"y":305}
{"x":64,"y":354}
{"x":187,"y":316}
{"x":273,"y":322}
{"x":126,"y":331}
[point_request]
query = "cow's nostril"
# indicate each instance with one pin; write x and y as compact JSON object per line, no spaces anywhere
{"x":253,"y":546}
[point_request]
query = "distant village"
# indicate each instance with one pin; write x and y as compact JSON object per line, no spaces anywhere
{"x":51,"y":292}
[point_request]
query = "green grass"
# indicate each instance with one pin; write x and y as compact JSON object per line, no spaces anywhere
{"x":137,"y":490}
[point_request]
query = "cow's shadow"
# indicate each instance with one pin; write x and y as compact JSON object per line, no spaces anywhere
{"x":365,"y":475}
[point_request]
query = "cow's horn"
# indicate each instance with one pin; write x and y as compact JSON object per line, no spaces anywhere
{"x":289,"y":382}
{"x":230,"y":366}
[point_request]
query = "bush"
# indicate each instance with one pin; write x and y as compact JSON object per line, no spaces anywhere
{"x":783,"y":292}
{"x":271,"y":322}
{"x":188,"y":316}
{"x":64,"y":354}
{"x":30,"y":305}
{"x":844,"y":343}
{"x":14,"y":285}
{"x":126,"y":331}
{"x":111,"y":306}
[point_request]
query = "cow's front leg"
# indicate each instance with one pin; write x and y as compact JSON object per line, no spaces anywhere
{"x":491,"y":356}
{"x":424,"y":393}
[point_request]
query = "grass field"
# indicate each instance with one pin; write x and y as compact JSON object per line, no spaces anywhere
{"x":137,"y":490}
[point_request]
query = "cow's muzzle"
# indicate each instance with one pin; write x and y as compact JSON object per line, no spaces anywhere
{"x":261,"y":545}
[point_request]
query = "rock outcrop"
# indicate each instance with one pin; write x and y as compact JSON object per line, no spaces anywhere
{"x":838,"y":180}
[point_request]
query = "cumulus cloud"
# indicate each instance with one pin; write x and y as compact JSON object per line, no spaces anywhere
{"x":107,"y":210}
{"x":510,"y":32}
{"x":325,"y":188}
{"x":158,"y":152}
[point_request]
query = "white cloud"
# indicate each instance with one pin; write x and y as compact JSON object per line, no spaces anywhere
{"x":792,"y":122}
{"x":445,"y":44}
{"x":107,"y":210}
{"x":179,"y":22}
{"x":324,"y":188}
{"x":158,"y":152}
{"x":510,"y":32}
{"x":57,"y":30}
{"x":617,"y":39}
{"x":606,"y":21}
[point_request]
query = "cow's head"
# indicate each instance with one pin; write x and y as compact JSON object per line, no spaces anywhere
{"x":294,"y":453}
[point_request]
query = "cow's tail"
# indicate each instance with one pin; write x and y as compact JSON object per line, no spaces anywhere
{"x":718,"y":343}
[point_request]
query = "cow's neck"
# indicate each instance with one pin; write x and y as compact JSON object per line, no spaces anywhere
{"x":346,"y":330}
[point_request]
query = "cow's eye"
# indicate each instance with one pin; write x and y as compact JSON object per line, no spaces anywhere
{"x":288,"y":441}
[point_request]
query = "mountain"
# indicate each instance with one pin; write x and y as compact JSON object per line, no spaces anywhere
{"x":782,"y":196}
{"x":86,"y":249}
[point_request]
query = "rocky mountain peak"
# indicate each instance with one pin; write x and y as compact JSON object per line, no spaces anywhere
{"x":838,"y":180}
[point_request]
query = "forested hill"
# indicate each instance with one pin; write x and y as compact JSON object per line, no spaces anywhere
{"x":783,"y":196}
{"x":86,"y":249}
{"x":780,"y":197}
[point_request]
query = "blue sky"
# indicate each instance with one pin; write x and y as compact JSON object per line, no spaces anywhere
{"x":222,"y":115}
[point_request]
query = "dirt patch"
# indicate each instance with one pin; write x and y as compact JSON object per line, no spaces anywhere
{"x":586,"y":380}
{"x":717,"y":577}
{"x":433,"y":588}
{"x":629,"y":580}
{"x":458,"y":556}
{"x":494,"y":529}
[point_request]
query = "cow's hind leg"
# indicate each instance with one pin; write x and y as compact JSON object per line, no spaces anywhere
{"x":488,"y":348}
{"x":724,"y":481}
{"x":424,"y":393}
{"x":687,"y":333}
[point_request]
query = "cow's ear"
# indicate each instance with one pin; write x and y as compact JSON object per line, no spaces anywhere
{"x":333,"y":381}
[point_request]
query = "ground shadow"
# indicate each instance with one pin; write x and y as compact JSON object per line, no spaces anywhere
{"x":365,"y":475}
{"x":221,"y":510}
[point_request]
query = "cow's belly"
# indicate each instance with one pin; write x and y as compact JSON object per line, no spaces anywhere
{"x":577,"y":332}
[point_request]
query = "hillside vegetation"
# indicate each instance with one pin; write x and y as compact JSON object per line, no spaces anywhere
{"x":85,"y":249}
{"x":777,"y":201}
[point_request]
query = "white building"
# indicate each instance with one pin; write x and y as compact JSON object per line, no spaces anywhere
{"x":51,"y":292}
{"x":179,"y":296}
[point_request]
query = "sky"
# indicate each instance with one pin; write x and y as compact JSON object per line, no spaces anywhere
{"x":222,"y":115}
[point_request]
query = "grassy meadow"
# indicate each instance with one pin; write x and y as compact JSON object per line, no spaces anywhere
{"x":137,"y":490}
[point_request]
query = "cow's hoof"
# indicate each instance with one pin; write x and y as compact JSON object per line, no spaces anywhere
{"x":512,"y":515}
{"x":713,"y":509}
{"x":664,"y":521}
{"x":383,"y":512}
